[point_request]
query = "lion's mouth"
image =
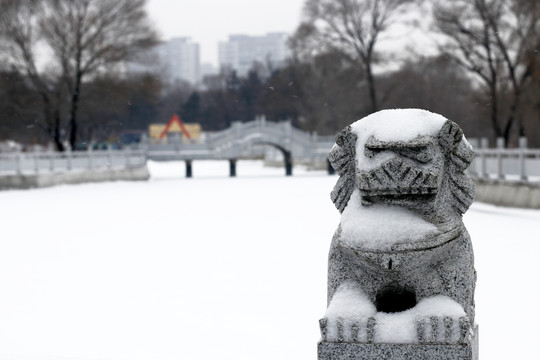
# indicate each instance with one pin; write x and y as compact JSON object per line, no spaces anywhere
{"x":398,"y":183}
{"x":392,"y":197}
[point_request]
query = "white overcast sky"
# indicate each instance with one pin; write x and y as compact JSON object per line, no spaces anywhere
{"x":210,"y":21}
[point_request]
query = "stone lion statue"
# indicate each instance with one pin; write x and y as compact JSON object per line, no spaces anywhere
{"x":401,"y":261}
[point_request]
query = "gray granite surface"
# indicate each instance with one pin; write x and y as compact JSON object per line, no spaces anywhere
{"x":426,"y":176}
{"x":370,"y":351}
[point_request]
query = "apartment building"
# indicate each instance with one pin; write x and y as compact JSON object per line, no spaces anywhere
{"x":175,"y":60}
{"x":240,"y":52}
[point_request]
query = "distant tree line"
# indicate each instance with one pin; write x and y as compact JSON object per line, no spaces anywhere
{"x":327,"y":93}
{"x":486,"y":76}
{"x":82,"y":39}
{"x":489,"y":51}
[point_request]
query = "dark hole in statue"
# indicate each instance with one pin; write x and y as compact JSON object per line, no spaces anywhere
{"x":394,"y":299}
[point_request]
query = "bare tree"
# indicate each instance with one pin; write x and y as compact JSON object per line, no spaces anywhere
{"x":84,"y":38}
{"x":352,"y":27}
{"x":19,"y":105}
{"x":19,"y":39}
{"x":495,"y":40}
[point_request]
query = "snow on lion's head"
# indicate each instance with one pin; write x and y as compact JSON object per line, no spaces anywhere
{"x":407,"y":157}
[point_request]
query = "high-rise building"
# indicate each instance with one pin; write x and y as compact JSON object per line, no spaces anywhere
{"x":180,"y":60}
{"x":174,"y":60}
{"x":240,"y":52}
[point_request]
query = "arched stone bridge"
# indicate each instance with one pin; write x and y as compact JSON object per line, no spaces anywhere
{"x":241,"y":141}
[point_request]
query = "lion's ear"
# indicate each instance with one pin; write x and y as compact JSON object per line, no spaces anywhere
{"x":342,"y":157}
{"x":450,"y":136}
{"x":459,"y":155}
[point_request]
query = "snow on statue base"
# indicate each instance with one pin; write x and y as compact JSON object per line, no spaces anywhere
{"x":400,"y":275}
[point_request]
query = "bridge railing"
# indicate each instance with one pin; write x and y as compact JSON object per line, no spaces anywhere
{"x":507,"y":164}
{"x":241,"y":140}
{"x":20,"y":163}
{"x":254,"y":125}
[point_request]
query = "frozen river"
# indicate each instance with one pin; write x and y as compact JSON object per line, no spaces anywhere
{"x":214,"y":268}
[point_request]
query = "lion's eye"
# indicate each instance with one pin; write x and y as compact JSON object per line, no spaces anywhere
{"x":370,"y":152}
{"x":420,"y":154}
{"x":418,"y":149}
{"x":423,"y":156}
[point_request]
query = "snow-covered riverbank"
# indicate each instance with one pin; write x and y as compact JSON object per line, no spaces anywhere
{"x":213,"y":267}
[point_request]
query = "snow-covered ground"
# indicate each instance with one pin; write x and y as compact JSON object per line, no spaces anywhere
{"x":214,"y":267}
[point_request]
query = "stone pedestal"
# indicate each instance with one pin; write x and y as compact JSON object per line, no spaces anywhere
{"x":371,"y":351}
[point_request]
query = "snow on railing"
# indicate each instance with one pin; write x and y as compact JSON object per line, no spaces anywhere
{"x":21,"y":163}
